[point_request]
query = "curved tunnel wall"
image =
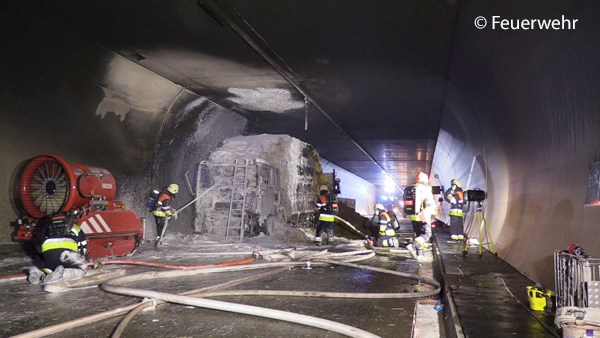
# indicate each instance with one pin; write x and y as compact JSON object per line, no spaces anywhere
{"x":353,"y":187}
{"x":80,"y":102}
{"x":63,"y":95}
{"x":527,"y":102}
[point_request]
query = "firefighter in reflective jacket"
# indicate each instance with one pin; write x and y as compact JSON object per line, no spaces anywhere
{"x":387,"y":228}
{"x":162,"y":209}
{"x":326,"y":218}
{"x":64,"y":251}
{"x":455,"y":197}
{"x":421,"y":221}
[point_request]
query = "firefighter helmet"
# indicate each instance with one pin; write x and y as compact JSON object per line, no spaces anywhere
{"x":457,"y":182}
{"x":173,"y":189}
{"x":379,"y":206}
{"x":324,"y":187}
{"x":422,"y":177}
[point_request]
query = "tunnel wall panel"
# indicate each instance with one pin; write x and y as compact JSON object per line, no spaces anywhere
{"x":530,"y":100}
{"x":63,"y":95}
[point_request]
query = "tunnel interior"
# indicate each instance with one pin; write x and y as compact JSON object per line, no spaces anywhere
{"x":381,"y":91}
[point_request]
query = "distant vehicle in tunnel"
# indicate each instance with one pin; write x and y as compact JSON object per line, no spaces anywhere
{"x":47,"y":184}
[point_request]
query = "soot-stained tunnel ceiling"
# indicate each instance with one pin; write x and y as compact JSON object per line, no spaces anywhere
{"x":373,"y":73}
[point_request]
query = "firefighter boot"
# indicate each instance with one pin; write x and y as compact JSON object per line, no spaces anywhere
{"x":35,"y":275}
{"x":420,"y":255}
{"x":412,"y":250}
{"x":70,"y":274}
{"x":55,"y":276}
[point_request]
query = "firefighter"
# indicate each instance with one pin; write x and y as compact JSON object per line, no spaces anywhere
{"x":423,"y":217}
{"x":64,"y":250}
{"x":326,"y":218}
{"x":455,"y":197}
{"x":163,"y":211}
{"x":387,"y":226}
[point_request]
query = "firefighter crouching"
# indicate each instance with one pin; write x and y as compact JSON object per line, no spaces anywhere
{"x":63,"y":249}
{"x":386,"y":236}
{"x":325,"y":211}
{"x":421,"y":221}
{"x":162,"y":209}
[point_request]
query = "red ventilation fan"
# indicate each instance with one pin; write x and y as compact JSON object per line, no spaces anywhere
{"x":48,"y":184}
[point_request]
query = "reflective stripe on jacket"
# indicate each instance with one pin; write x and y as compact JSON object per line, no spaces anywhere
{"x":326,"y":217}
{"x":321,"y":208}
{"x":385,"y":225}
{"x":79,"y":237}
{"x":59,"y":243}
{"x":456,"y":212}
{"x":163,"y":206}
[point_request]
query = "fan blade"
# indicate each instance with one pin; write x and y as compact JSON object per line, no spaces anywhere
{"x":44,"y":205}
{"x":36,"y":194}
{"x":60,"y":173}
{"x":39,"y":169}
{"x":47,"y":169}
{"x":54,"y":205}
{"x":36,"y":186}
{"x":38,"y":179}
{"x":38,"y":201}
{"x":54,"y":169}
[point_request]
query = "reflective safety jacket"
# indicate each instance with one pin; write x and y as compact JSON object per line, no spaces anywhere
{"x":163,"y":206}
{"x":386,"y":225}
{"x":79,"y":237}
{"x":323,"y":209}
{"x":59,"y":243}
{"x":424,"y":204}
{"x":456,"y":199}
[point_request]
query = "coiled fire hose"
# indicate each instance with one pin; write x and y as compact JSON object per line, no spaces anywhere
{"x":572,"y":315}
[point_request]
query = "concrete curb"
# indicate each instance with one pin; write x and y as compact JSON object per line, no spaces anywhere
{"x":452,"y":325}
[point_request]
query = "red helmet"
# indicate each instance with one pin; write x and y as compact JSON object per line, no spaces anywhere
{"x":422,"y":177}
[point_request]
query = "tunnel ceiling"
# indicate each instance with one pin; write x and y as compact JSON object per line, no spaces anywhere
{"x":373,"y":72}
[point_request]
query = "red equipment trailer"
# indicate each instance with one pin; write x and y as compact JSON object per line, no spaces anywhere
{"x":47,"y":184}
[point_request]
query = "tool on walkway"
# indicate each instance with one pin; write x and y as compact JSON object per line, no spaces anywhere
{"x":479,"y":220}
{"x":539,"y":298}
{"x":160,"y":239}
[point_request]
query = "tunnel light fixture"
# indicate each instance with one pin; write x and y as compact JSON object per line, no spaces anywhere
{"x":389,"y":185}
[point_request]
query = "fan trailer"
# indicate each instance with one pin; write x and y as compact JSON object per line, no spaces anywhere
{"x":47,"y":184}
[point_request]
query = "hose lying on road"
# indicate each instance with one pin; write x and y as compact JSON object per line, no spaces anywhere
{"x":179,"y":267}
{"x":104,"y":315}
{"x":317,"y":259}
{"x":112,"y":286}
{"x":123,"y":323}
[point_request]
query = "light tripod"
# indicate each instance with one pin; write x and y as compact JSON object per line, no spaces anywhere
{"x":479,"y":219}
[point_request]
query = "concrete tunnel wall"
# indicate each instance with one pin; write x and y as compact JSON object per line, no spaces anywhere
{"x":526,"y":104}
{"x":91,"y":106}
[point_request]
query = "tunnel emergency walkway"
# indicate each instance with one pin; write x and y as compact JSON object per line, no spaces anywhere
{"x":489,"y":295}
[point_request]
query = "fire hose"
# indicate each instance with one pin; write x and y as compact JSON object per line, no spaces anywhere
{"x":111,"y":286}
{"x":572,"y":315}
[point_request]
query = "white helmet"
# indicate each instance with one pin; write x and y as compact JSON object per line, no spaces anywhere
{"x":173,"y":188}
{"x":422,"y":177}
{"x":379,"y":206}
